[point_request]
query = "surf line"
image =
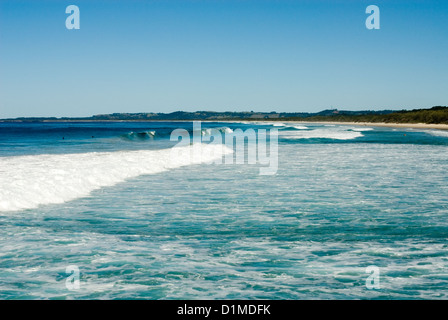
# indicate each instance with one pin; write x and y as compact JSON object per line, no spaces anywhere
{"x":257,"y":145}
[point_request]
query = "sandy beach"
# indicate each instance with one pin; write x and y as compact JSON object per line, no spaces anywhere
{"x":382,"y":124}
{"x":362,"y":124}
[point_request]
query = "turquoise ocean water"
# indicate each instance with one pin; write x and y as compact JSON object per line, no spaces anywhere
{"x":110,"y":199}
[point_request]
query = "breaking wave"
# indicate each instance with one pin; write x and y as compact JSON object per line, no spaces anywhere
{"x":322,"y":134}
{"x":361,"y":129}
{"x":29,"y":181}
{"x":144,"y":135}
{"x":438,"y":133}
{"x":209,"y":131}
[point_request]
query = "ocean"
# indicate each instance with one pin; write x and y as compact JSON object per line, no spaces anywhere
{"x":105,"y":210}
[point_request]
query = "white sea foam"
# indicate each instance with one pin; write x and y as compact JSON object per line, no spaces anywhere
{"x":29,"y":181}
{"x":274,"y":124}
{"x":438,"y":133}
{"x":337,"y":134}
{"x":209,"y":131}
{"x":244,"y":122}
{"x":300,"y":127}
{"x":362,"y":129}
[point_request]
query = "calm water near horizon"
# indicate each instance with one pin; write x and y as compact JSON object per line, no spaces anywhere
{"x":102,"y":197}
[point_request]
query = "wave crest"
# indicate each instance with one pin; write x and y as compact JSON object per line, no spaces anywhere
{"x":209,"y":131}
{"x":144,"y":135}
{"x":322,"y":134}
{"x":29,"y":181}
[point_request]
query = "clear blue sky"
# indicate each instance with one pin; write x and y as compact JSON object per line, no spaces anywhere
{"x":228,"y":55}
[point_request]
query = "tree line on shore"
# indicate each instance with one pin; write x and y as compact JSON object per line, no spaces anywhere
{"x":434,"y":115}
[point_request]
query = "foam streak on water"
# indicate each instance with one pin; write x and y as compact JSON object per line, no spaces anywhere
{"x":336,"y":134}
{"x":144,"y":224}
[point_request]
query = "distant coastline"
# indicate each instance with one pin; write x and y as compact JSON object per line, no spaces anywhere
{"x":438,"y":126}
{"x":433,"y":118}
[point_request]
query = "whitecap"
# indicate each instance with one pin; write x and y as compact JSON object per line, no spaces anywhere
{"x":438,"y":133}
{"x":27,"y":182}
{"x":322,"y":134}
{"x":362,"y":129}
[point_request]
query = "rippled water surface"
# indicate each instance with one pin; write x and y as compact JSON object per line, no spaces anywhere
{"x":110,"y":199}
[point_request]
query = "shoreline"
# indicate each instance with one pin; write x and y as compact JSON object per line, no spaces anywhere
{"x":382,"y":124}
{"x":360,"y":124}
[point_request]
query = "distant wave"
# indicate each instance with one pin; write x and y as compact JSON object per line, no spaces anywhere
{"x":144,"y":135}
{"x":322,"y":134}
{"x":245,"y":122}
{"x":296,"y":128}
{"x":438,"y":133}
{"x":149,"y":135}
{"x":274,"y":124}
{"x":29,"y":181}
{"x":208,"y":131}
{"x":362,"y":129}
{"x":301,"y":127}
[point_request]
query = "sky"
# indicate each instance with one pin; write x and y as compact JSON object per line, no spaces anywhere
{"x":227,"y":55}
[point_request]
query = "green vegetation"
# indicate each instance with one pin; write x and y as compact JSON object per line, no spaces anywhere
{"x":435,"y":115}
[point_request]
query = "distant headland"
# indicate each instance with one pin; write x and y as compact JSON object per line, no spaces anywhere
{"x":434,"y":115}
